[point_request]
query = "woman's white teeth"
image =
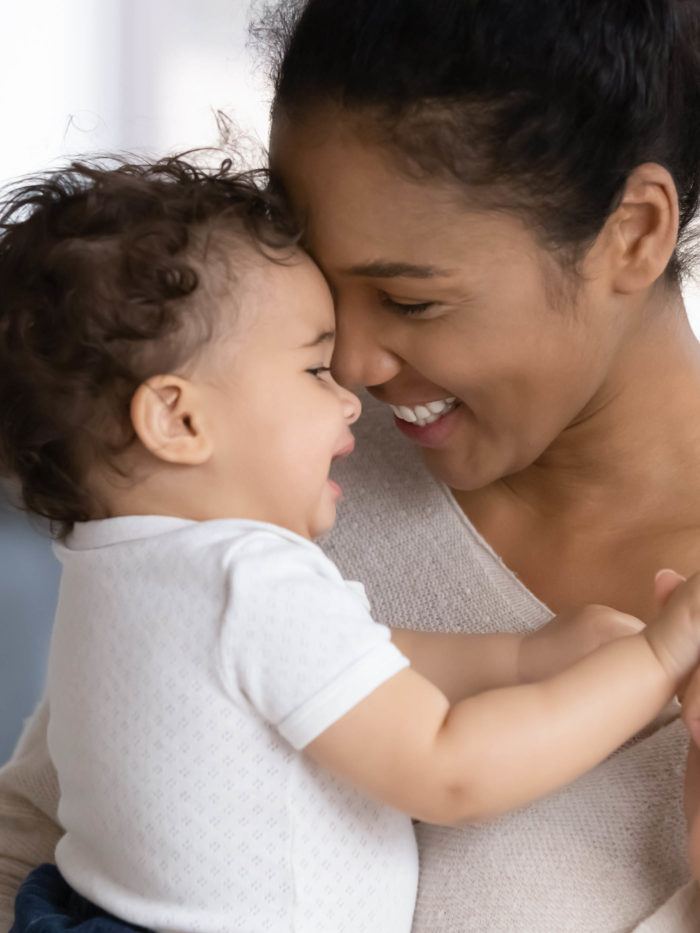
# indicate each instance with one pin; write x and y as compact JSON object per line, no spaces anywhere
{"x":424,"y":414}
{"x":438,"y":407}
{"x":406,"y":414}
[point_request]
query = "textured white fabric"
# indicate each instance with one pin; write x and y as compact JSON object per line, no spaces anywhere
{"x":189,"y":662}
{"x":598,"y":857}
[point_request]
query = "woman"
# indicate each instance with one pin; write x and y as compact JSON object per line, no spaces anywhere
{"x":494,"y":191}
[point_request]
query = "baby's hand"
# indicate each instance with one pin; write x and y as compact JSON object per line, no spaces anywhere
{"x":570,"y":636}
{"x":674,"y":635}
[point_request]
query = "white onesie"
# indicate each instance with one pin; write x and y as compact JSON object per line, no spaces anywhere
{"x":190,"y":663}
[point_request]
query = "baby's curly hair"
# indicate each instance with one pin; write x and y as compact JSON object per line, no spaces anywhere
{"x":101,"y":278}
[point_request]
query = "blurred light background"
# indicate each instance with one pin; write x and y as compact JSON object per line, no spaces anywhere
{"x":85,"y":76}
{"x":144,"y":76}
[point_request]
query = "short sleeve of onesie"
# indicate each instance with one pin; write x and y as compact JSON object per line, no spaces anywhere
{"x":298,"y":642}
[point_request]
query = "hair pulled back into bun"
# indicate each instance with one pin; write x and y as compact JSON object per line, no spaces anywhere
{"x":543,"y":107}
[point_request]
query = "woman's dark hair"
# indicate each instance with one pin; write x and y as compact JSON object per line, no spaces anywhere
{"x":105,"y":280}
{"x":542,"y":107}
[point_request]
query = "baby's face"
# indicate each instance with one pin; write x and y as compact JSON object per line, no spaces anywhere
{"x":277,"y":417}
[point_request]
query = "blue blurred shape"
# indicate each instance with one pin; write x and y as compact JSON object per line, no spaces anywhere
{"x":29,"y":575}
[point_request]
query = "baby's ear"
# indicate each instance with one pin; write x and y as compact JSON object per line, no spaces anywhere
{"x":165,"y":416}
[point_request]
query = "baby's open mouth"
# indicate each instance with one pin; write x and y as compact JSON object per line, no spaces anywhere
{"x":344,"y":451}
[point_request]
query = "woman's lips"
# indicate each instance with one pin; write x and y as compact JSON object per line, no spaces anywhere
{"x":434,"y":434}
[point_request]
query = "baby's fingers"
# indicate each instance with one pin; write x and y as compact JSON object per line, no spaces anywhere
{"x":665,"y":582}
{"x":605,"y":623}
{"x":675,"y":635}
{"x":620,"y":624}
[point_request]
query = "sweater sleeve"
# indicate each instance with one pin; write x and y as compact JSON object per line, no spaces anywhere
{"x":28,"y":803}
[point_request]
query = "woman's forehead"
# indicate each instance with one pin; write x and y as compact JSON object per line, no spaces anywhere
{"x":351,"y":198}
{"x":361,"y":217}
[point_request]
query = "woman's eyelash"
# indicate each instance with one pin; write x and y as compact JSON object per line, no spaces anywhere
{"x":317,"y":370}
{"x":405,"y":307}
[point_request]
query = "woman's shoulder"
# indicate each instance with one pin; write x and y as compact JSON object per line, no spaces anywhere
{"x":403,"y":535}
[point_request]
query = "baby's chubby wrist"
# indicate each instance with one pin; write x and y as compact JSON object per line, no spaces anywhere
{"x":660,"y":650}
{"x":545,"y":652}
{"x":569,"y":637}
{"x":542,"y":653}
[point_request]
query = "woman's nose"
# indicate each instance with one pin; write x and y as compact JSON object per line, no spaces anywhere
{"x":360,"y":358}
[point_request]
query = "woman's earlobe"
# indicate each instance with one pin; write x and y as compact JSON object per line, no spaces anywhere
{"x":165,"y":416}
{"x":645,"y":228}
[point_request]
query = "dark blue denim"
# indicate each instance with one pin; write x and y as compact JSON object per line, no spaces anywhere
{"x":47,"y":904}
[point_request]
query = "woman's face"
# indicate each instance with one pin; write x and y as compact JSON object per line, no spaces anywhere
{"x":436,"y":301}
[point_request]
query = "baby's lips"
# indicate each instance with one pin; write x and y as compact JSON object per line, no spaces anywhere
{"x":344,"y":451}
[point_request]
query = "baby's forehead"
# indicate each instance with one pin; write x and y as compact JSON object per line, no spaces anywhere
{"x":281,"y":291}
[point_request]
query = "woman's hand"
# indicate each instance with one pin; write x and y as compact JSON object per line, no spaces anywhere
{"x":570,"y":636}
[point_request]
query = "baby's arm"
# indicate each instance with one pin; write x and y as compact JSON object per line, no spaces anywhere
{"x":463,"y":664}
{"x":489,"y":753}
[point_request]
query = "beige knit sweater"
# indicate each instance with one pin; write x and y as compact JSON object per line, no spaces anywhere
{"x":604,"y":855}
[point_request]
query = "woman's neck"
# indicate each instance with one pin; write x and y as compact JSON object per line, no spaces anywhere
{"x":617,"y":496}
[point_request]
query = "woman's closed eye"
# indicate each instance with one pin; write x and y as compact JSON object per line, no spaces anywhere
{"x":405,"y":307}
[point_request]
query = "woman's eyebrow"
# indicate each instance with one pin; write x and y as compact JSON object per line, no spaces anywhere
{"x":384,"y":269}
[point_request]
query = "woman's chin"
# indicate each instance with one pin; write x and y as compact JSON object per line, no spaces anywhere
{"x":459,"y":469}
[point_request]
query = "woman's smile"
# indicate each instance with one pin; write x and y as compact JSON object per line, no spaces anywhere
{"x":435,"y":433}
{"x":425,"y":413}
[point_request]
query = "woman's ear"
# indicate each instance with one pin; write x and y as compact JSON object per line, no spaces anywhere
{"x":166,"y":418}
{"x":644,"y":229}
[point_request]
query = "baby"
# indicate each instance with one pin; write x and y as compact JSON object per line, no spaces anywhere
{"x":239,"y":745}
